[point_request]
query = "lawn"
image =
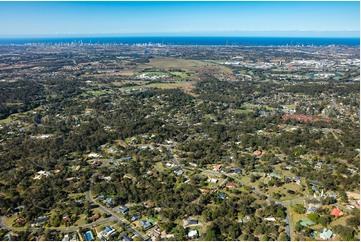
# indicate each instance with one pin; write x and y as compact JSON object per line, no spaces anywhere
{"x":158,"y":166}
{"x":340,"y":221}
{"x":245,"y":180}
{"x":8,"y":221}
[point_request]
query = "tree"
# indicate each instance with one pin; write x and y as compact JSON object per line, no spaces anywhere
{"x":211,"y":235}
{"x":298,"y":226}
{"x":282,"y":237}
{"x":299,"y":208}
{"x":354,"y":221}
{"x":313,"y":217}
{"x":346,"y":232}
{"x":264,"y":237}
{"x":324,"y":220}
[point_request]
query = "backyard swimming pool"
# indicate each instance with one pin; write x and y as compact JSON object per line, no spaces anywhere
{"x":88,"y":236}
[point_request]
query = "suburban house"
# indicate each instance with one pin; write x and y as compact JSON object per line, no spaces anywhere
{"x":213,"y":180}
{"x":336,"y":212}
{"x":235,"y":170}
{"x":217,"y":168}
{"x":191,"y":222}
{"x":205,"y":191}
{"x":306,"y":222}
{"x":95,"y":217}
{"x":192,"y":234}
{"x":245,"y":219}
{"x":125,"y":237}
{"x":270,"y":219}
{"x":257,"y":152}
{"x":66,"y":238}
{"x":193,"y":164}
{"x":179,"y":172}
{"x":66,"y":218}
{"x":222,"y":196}
{"x":41,"y":174}
{"x":109,"y":202}
{"x":230,"y":185}
{"x":123,"y":209}
{"x":134,"y":218}
{"x":20,"y":220}
{"x":40,"y":220}
{"x":145,"y":224}
{"x":326,"y":234}
{"x":333,"y":195}
{"x":311,"y":209}
{"x":108,"y":231}
{"x":276,"y":175}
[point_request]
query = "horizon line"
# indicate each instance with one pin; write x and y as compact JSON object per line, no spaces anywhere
{"x":165,"y":36}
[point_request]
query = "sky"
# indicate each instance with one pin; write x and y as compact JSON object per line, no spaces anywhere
{"x":339,"y":19}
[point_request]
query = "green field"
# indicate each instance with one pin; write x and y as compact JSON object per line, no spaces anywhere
{"x":183,"y":64}
{"x":182,"y":74}
{"x":185,"y":86}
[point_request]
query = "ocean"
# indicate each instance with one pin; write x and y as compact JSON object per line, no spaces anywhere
{"x":241,"y":41}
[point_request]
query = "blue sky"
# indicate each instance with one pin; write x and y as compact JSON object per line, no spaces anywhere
{"x":182,"y":18}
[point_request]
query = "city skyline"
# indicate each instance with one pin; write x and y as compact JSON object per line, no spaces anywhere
{"x":303,"y":19}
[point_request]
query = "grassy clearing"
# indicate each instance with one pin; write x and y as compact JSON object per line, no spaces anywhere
{"x":159,"y":166}
{"x":8,"y":221}
{"x":245,"y":180}
{"x":82,"y":221}
{"x":8,"y":120}
{"x":187,"y":87}
{"x":183,"y":64}
{"x":278,"y":170}
{"x":182,"y":74}
{"x":290,"y":106}
{"x":166,"y":63}
{"x":167,"y":85}
{"x":242,"y":111}
{"x":76,"y":195}
{"x":341,"y":221}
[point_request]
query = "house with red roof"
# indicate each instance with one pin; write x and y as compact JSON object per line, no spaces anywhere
{"x":230,"y":185}
{"x":204,"y":191}
{"x":217,"y":168}
{"x":257,"y":152}
{"x":336,"y":212}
